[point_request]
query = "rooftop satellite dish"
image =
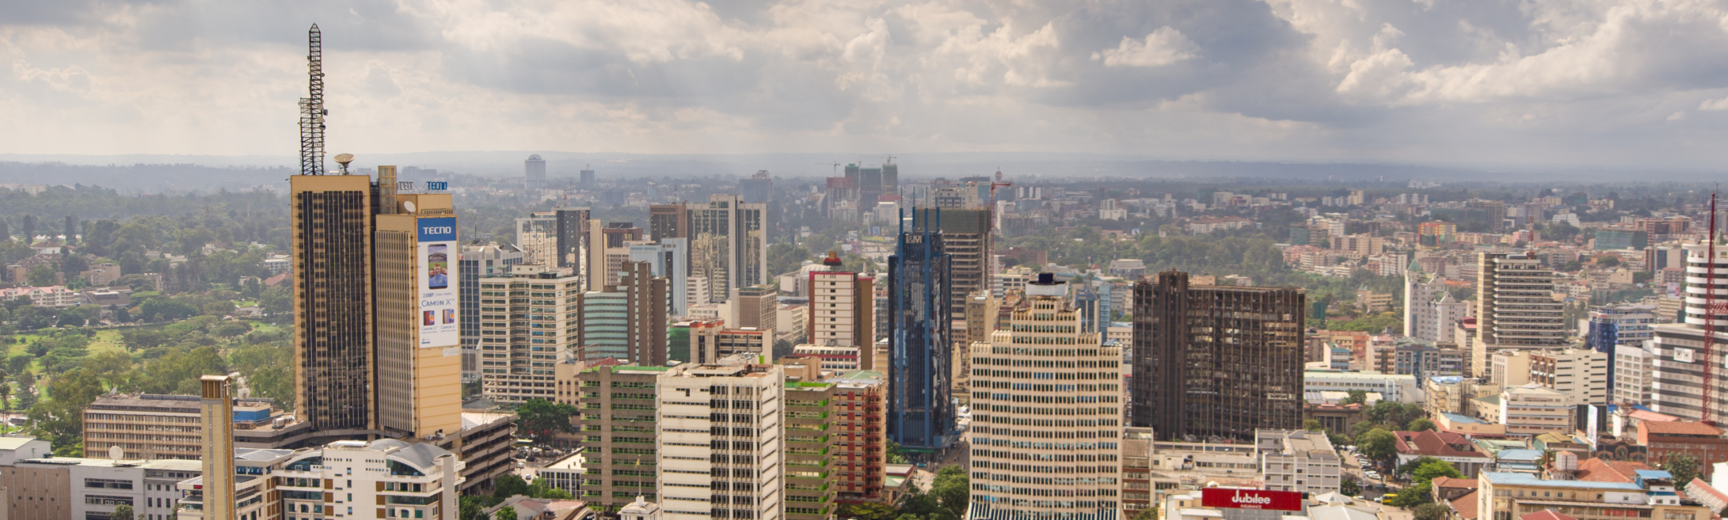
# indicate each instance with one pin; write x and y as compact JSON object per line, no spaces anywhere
{"x":408,"y":206}
{"x":343,"y":159}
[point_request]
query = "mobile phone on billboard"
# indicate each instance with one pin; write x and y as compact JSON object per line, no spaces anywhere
{"x":437,"y":266}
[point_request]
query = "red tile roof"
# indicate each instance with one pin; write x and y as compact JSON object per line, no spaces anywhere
{"x":1598,"y":470}
{"x":1449,"y":482}
{"x":1465,"y":506}
{"x":1546,"y":514}
{"x":1436,"y":444}
{"x":1680,"y":428}
{"x":1646,"y":415}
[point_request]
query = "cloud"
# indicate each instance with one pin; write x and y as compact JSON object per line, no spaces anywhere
{"x":1714,"y":104}
{"x":1162,"y":47}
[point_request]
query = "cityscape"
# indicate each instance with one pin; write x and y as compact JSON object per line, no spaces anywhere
{"x":869,"y":336}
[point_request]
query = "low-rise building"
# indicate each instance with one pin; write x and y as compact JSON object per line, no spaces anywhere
{"x":1506,"y":496}
{"x":1702,"y":441}
{"x":156,"y":426}
{"x":1528,"y":410}
{"x":1300,"y":461}
{"x":1393,"y":387}
{"x":1446,"y":446}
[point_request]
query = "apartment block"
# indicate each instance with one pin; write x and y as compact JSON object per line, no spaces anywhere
{"x":617,"y":403}
{"x":527,"y":321}
{"x":1047,"y":414}
{"x":1299,"y":461}
{"x":1581,"y":374}
{"x":719,"y":444}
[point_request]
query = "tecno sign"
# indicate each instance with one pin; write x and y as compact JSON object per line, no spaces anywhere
{"x":1251,"y":499}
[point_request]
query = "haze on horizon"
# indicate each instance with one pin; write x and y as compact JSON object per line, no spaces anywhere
{"x":1620,"y":83}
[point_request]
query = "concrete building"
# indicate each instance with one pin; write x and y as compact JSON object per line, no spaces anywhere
{"x":618,"y":430}
{"x":385,"y":478}
{"x":841,"y":312}
{"x":214,"y":414}
{"x":256,"y":492}
{"x":556,"y":239}
{"x":418,"y":384}
{"x":488,"y":261}
{"x":527,"y":321}
{"x":1078,"y":398}
{"x":1679,"y":388}
{"x":1216,"y":360}
{"x":861,"y":446}
{"x":155,"y":427}
{"x":1581,"y":374}
{"x":705,"y":342}
{"x":1299,"y":461}
{"x":331,"y":236}
{"x":966,"y":238}
{"x":832,"y":358}
{"x":728,"y":246}
{"x":1392,"y":387}
{"x":1509,"y":496}
{"x":1701,"y":441}
{"x":1515,"y":295}
{"x":534,"y":173}
{"x":1621,"y":325}
{"x":626,"y":321}
{"x":1634,"y":373}
{"x":669,"y":259}
{"x":1448,"y":446}
{"x":719,"y":443}
{"x":809,"y":419}
{"x":53,"y":488}
{"x":1529,"y":410}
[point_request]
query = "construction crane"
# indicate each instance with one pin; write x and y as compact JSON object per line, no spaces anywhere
{"x":997,"y":184}
{"x":836,"y":167}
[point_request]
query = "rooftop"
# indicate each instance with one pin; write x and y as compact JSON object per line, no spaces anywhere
{"x":1680,"y":428}
{"x":1436,"y":444}
{"x":1525,"y":479}
{"x":1546,"y":514}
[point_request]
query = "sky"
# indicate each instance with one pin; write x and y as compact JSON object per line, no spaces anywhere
{"x":1604,"y":83}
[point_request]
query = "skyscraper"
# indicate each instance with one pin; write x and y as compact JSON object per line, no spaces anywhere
{"x":527,"y":320}
{"x":668,"y":258}
{"x":1680,"y":370}
{"x":728,"y":420}
{"x":1216,"y":360}
{"x":1517,"y":308}
{"x":534,"y":173}
{"x":966,"y":238}
{"x":554,"y":238}
{"x":418,"y":335}
{"x":478,"y":262}
{"x":728,"y":244}
{"x":586,"y":177}
{"x":333,"y":349}
{"x":921,"y":415}
{"x":841,"y":312}
{"x":626,"y":321}
{"x":1074,"y":395}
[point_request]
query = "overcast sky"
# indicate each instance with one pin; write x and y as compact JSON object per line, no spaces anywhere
{"x":1598,"y":82}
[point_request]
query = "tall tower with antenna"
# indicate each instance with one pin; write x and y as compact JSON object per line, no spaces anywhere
{"x":312,"y":110}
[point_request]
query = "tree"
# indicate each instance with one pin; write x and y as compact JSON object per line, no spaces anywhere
{"x":1684,"y":468}
{"x":506,"y":486}
{"x":867,"y":511}
{"x":72,"y":234}
{"x":1313,"y":425}
{"x":1432,"y":512}
{"x":1350,"y":487}
{"x":952,"y":489}
{"x":1420,"y":424}
{"x":1356,"y":397}
{"x":5,"y":392}
{"x":40,"y":276}
{"x":1150,"y":513}
{"x":1412,"y":496}
{"x":895,"y":454}
{"x":470,"y":508}
{"x":540,"y":418}
{"x":1431,"y":470}
{"x":782,"y":348}
{"x":505,"y":513}
{"x":1378,"y":445}
{"x":121,"y":512}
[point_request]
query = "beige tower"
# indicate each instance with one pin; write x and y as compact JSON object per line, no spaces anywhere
{"x":418,"y":334}
{"x":332,"y":238}
{"x":216,"y":411}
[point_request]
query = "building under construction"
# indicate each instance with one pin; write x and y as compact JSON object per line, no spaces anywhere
{"x":1216,"y":361}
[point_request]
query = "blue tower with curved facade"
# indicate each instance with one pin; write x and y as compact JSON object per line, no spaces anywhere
{"x":920,"y":340}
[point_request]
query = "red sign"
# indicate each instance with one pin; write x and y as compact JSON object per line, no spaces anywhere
{"x":1251,"y":499}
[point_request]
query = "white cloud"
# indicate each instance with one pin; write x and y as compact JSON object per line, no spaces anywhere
{"x":1161,"y":47}
{"x":1714,"y":104}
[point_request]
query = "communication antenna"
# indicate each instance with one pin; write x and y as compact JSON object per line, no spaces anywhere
{"x":312,"y":110}
{"x":343,"y":159}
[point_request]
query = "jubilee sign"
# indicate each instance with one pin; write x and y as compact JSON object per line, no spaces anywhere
{"x":1251,"y":499}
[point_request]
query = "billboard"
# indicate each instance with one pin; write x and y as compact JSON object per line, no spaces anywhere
{"x":437,"y":274}
{"x":1251,"y":499}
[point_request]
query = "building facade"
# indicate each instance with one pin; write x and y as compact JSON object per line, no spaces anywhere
{"x":719,"y":443}
{"x":1516,"y":298}
{"x":527,"y":321}
{"x":920,"y":325}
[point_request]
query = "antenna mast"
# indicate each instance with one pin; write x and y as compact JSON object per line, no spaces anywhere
{"x":312,"y":110}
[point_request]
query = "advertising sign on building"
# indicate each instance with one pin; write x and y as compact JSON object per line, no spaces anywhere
{"x":1251,"y":499}
{"x":438,"y":304}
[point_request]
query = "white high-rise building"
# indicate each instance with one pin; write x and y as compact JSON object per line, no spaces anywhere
{"x":1681,"y":355}
{"x":527,"y":321}
{"x":1047,"y":415}
{"x":720,"y":443}
{"x":728,"y":245}
{"x":1581,"y":374}
{"x":1633,"y":374}
{"x":1515,"y":294}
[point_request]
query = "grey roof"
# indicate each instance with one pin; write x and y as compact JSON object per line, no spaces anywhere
{"x":419,"y":455}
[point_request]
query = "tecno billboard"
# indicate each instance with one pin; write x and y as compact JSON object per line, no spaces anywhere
{"x":1251,"y":499}
{"x":438,"y":327}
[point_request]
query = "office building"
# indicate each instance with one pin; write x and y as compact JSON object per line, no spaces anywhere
{"x":215,"y":412}
{"x":920,"y":324}
{"x":667,"y":221}
{"x":1514,"y":496}
{"x":669,"y":258}
{"x":385,"y":478}
{"x":1634,"y":373}
{"x":1529,"y":409}
{"x":728,"y":245}
{"x":707,"y":342}
{"x":333,"y":348}
{"x":534,"y":173}
{"x":841,"y":311}
{"x":1619,"y":325}
{"x":1216,"y":360}
{"x":966,"y":238}
{"x":718,"y":442}
{"x":1681,"y":353}
{"x":757,"y":307}
{"x":861,"y":446}
{"x":809,"y":417}
{"x":161,"y":427}
{"x":585,"y":178}
{"x":1702,"y":442}
{"x":983,"y":311}
{"x":1298,"y":461}
{"x":617,"y":425}
{"x":418,"y":337}
{"x":488,"y":261}
{"x":1581,"y":374}
{"x":40,"y":487}
{"x":557,"y":238}
{"x":528,"y":320}
{"x":626,"y":321}
{"x":1045,"y":443}
{"x":1516,"y":305}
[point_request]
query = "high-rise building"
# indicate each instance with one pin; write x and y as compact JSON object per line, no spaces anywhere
{"x":488,"y":261}
{"x":966,"y":238}
{"x":617,"y":424}
{"x":626,"y":321}
{"x":811,"y":440}
{"x":921,"y":414}
{"x":333,"y":348}
{"x":727,"y":420}
{"x":861,"y":449}
{"x":757,"y":308}
{"x":528,"y":320}
{"x":534,"y":173}
{"x":385,"y":478}
{"x":1681,"y":356}
{"x":842,"y":310}
{"x":1516,"y":305}
{"x":215,"y":415}
{"x":1216,"y":360}
{"x":667,"y":221}
{"x":557,"y":238}
{"x":669,"y":258}
{"x":586,"y":177}
{"x":1074,"y":395}
{"x":728,"y":244}
{"x":759,"y":188}
{"x":1581,"y":374}
{"x":418,"y":336}
{"x":1619,"y":325}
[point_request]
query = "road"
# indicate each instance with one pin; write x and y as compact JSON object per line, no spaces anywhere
{"x":957,"y":455}
{"x":1371,"y":489}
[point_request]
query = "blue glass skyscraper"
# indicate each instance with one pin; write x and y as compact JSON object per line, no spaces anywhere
{"x":920,"y":340}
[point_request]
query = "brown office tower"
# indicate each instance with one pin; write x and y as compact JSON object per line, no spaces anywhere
{"x":627,"y":321}
{"x":1216,"y":361}
{"x":333,"y":348}
{"x":418,"y":336}
{"x":666,"y":221}
{"x":966,"y":237}
{"x":757,"y":308}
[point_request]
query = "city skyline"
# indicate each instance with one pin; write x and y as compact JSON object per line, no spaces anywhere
{"x":1418,"y":82}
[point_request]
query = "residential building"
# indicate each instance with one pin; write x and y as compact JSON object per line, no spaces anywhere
{"x":488,"y":261}
{"x":1515,"y":296}
{"x":1704,"y":442}
{"x":1581,"y":374}
{"x":1510,"y":496}
{"x":841,"y":312}
{"x":618,"y":404}
{"x":719,"y":445}
{"x":1299,"y":461}
{"x":1679,"y":369}
{"x":861,"y":446}
{"x":921,"y":413}
{"x":528,"y":320}
{"x":1451,"y":447}
{"x":1192,"y":346}
{"x":1076,"y":394}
